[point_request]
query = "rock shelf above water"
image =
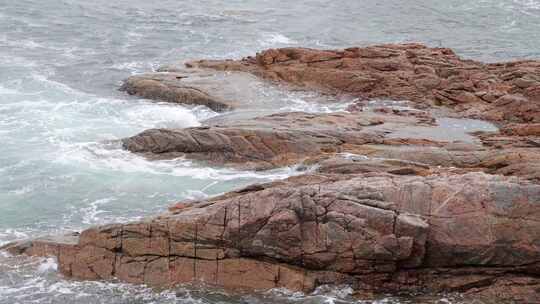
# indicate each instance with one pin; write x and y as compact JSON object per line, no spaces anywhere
{"x":507,"y":92}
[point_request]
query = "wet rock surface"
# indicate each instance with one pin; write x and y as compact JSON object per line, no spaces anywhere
{"x":398,"y":196}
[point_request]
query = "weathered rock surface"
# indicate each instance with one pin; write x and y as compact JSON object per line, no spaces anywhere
{"x":176,"y":88}
{"x":376,"y":231}
{"x":394,"y":201}
{"x":508,"y":92}
{"x":291,"y":138}
{"x":523,"y":162}
{"x":427,"y":76}
{"x":266,"y":142}
{"x":217,"y":90}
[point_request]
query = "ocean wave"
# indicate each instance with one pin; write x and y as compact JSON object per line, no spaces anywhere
{"x":110,"y":156}
{"x":166,"y":115}
{"x":11,"y":234}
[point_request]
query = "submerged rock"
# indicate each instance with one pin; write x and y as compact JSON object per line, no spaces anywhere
{"x":376,"y":231}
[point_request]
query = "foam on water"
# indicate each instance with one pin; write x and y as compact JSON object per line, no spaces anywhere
{"x":276,"y":39}
{"x":48,"y":265}
{"x":100,"y":156}
{"x":34,"y":280}
{"x":92,"y":212}
{"x":301,"y":105}
{"x":9,"y":234}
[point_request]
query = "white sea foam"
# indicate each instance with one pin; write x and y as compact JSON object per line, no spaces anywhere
{"x":275,"y":39}
{"x":301,"y":105}
{"x":163,"y":116}
{"x":99,"y":156}
{"x":49,"y":264}
{"x":195,"y":194}
{"x":61,"y":288}
{"x":10,"y":235}
{"x":45,"y":80}
{"x":92,"y":212}
{"x":134,"y":66}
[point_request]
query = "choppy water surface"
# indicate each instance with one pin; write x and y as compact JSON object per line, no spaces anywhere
{"x":61,"y":62}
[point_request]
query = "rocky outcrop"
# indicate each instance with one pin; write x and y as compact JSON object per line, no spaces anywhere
{"x":378,"y":232}
{"x":265,"y":142}
{"x":395,"y":198}
{"x":213,"y":89}
{"x":292,"y":138}
{"x":508,"y":92}
{"x":173,"y":87}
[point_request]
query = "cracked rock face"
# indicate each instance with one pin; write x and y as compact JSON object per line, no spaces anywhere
{"x":377,"y":231}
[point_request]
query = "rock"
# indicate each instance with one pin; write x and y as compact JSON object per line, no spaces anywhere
{"x":381,"y":137}
{"x":514,"y":108}
{"x":353,"y":164}
{"x":376,"y":231}
{"x":514,"y":161}
{"x":270,"y":141}
{"x":217,"y":90}
{"x":175,"y":88}
{"x":529,"y":129}
{"x":403,"y":72}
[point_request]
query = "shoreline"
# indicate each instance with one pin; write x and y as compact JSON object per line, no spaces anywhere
{"x":416,"y":201}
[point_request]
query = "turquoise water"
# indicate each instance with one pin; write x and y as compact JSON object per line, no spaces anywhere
{"x":62,"y":61}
